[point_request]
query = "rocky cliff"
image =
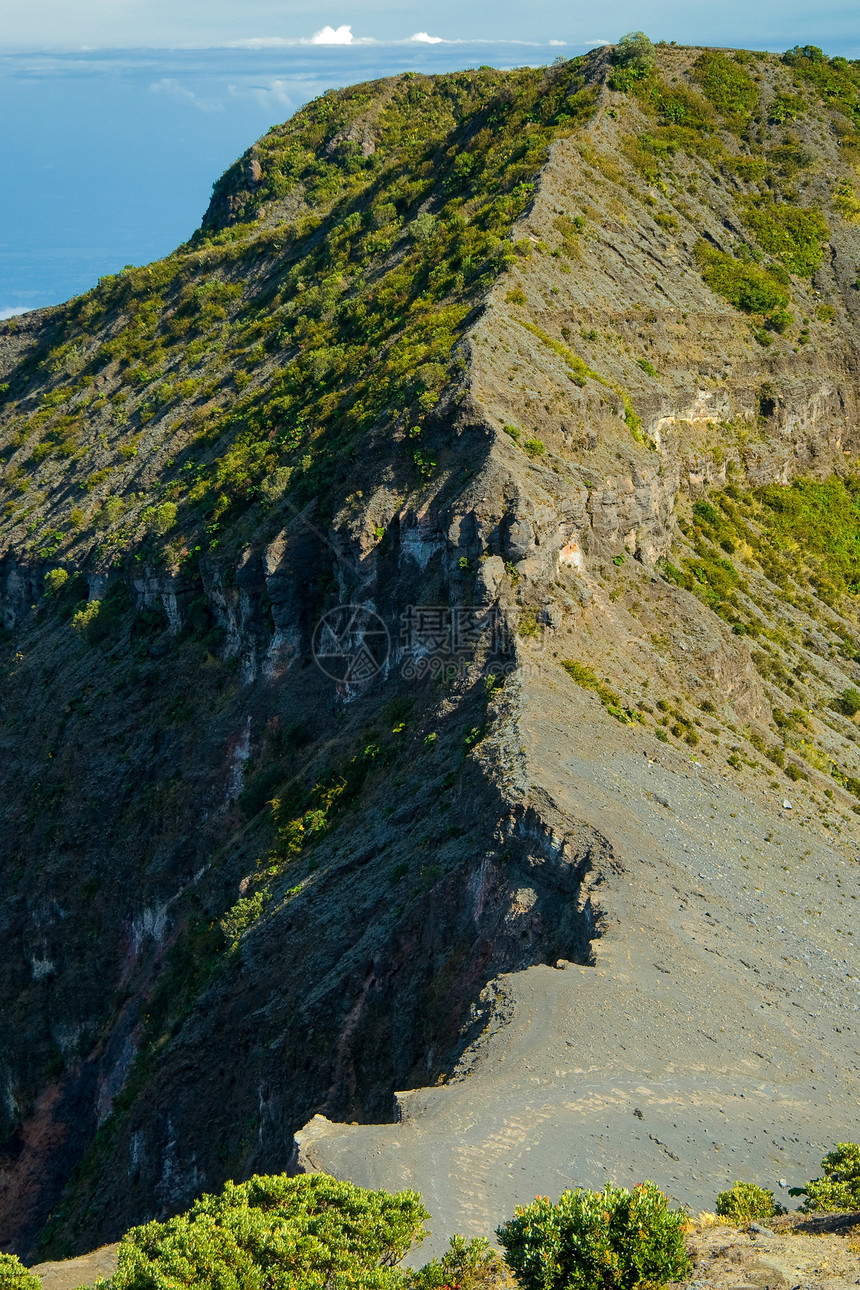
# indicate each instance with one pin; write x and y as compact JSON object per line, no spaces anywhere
{"x":441,"y":569}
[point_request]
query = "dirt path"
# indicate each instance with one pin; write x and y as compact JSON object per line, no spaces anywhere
{"x":84,"y":1271}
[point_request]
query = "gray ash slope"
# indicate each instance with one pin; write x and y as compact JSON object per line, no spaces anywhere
{"x":703,"y":1022}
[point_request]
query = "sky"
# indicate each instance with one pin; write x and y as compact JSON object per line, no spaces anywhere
{"x":120,"y":114}
{"x":42,"y":24}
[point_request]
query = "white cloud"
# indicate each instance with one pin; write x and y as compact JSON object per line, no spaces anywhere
{"x":12,"y":312}
{"x":332,"y":36}
{"x":558,"y":42}
{"x":262,"y":42}
{"x":172,"y":88}
{"x":275,"y":96}
{"x":422,"y":38}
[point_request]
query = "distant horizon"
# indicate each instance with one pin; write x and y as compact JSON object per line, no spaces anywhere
{"x":273,"y":44}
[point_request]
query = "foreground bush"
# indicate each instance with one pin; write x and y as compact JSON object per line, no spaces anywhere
{"x":276,"y":1233}
{"x":465,"y":1265}
{"x":609,"y":1240}
{"x":14,"y":1276}
{"x":746,"y":1203}
{"x":839,"y":1189}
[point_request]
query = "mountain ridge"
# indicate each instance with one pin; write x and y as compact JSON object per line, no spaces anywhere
{"x":573,"y":457}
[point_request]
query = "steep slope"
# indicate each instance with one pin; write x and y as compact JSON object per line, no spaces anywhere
{"x":556,"y":401}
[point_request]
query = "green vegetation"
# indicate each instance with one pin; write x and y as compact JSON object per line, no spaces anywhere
{"x":727,"y":85}
{"x":793,"y":234}
{"x":609,"y":1240}
{"x":816,"y":523}
{"x":747,"y":286}
{"x":273,"y":1232}
{"x":465,"y":1265}
{"x":847,"y":202}
{"x":633,"y":57}
{"x":746,"y":1203}
{"x":14,"y":1276}
{"x":587,"y":679}
{"x":807,"y":532}
{"x":55,"y":580}
{"x":351,"y":325}
{"x":839,"y":1189}
{"x":243,"y":915}
{"x":849,"y":701}
{"x":534,"y":447}
{"x":836,"y":84}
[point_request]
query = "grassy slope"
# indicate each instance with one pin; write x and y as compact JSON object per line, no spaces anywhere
{"x":262,"y":355}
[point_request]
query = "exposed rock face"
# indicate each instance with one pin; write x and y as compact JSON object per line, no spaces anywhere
{"x":484,"y":814}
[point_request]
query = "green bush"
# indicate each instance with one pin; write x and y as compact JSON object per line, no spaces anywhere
{"x":780,"y":320}
{"x":163,"y":518}
{"x":84,"y":621}
{"x":634,"y":58}
{"x":732,"y":90}
{"x":849,"y":701}
{"x":609,"y":1240}
{"x":839,"y":1189}
{"x":276,"y":1233}
{"x":55,"y":580}
{"x":535,"y":447}
{"x":14,"y":1276}
{"x":793,"y":234}
{"x":746,"y":1203}
{"x":587,"y":679}
{"x":465,"y":1265}
{"x":634,"y":50}
{"x":748,"y":287}
{"x":243,"y":915}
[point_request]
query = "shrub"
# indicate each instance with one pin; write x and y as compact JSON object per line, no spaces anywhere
{"x":732,"y":90}
{"x":849,"y":701}
{"x":846,"y":201}
{"x":276,"y":484}
{"x":634,"y":59}
{"x":586,"y":678}
{"x":311,"y":1231}
{"x":746,"y":1203}
{"x":163,"y":518}
{"x":535,"y":447}
{"x":465,"y":1265}
{"x":780,"y":320}
{"x":14,"y":1276}
{"x":423,"y":227}
{"x":793,"y":234}
{"x":110,"y":511}
{"x":808,"y":53}
{"x":85,"y":619}
{"x":243,"y":915}
{"x":55,"y":580}
{"x":748,"y":287}
{"x":634,"y":51}
{"x":609,"y":1240}
{"x":839,"y":1189}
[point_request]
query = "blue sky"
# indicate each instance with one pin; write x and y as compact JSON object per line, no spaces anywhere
{"x":120,"y":114}
{"x":35,"y":24}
